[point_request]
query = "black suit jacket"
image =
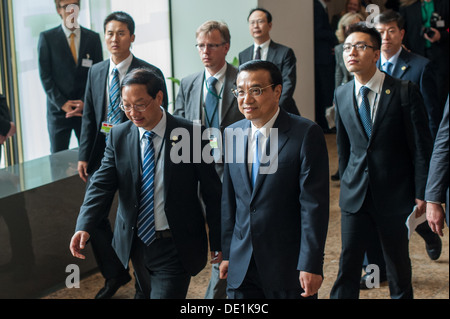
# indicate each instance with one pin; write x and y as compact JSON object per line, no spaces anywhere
{"x":418,"y":69}
{"x":284,"y":58}
{"x":5,"y":118}
{"x":61,"y":78}
{"x":92,"y":141}
{"x":283,"y":220}
{"x":394,"y":162}
{"x":120,"y":170}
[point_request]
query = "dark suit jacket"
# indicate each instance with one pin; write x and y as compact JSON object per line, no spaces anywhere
{"x":284,"y":58}
{"x":324,"y":37}
{"x":418,"y":69}
{"x":92,"y":141}
{"x":438,"y":182}
{"x":414,"y":39}
{"x":61,"y":78}
{"x":120,"y":170}
{"x":189,"y":100}
{"x":283,"y":221}
{"x":5,"y":118}
{"x":394,"y":162}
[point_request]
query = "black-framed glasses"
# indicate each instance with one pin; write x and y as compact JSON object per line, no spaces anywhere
{"x":253,"y":91}
{"x":360,"y":46}
{"x":209,"y":46}
{"x":137,"y":107}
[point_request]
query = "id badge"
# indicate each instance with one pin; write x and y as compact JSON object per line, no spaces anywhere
{"x":213,"y":142}
{"x":87,"y":63}
{"x":106,"y":127}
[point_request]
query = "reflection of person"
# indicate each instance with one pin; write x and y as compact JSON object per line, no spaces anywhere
{"x":260,"y":24}
{"x":160,"y":222}
{"x":102,"y":108}
{"x":7,"y":128}
{"x":384,"y":147}
{"x":438,"y":184}
{"x":195,"y":100}
{"x":66,"y":54}
{"x":274,"y":225}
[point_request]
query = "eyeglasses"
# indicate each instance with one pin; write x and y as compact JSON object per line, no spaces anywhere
{"x":253,"y":91}
{"x":137,"y":107}
{"x":210,"y":46}
{"x":260,"y":21}
{"x":360,"y":46}
{"x":70,"y":4}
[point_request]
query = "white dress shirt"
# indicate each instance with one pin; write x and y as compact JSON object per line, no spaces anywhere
{"x":265,"y":133}
{"x":220,"y":76}
{"x":264,"y":49}
{"x":159,"y":130}
{"x":375,"y":85}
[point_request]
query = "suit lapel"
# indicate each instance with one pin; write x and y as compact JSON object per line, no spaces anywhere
{"x":351,"y":108}
{"x":282,"y":125}
{"x":197,"y":93}
{"x":61,"y":38}
{"x":227,"y":96}
{"x":243,"y":167}
{"x":401,"y":66}
{"x":385,"y":100}
{"x":135,"y":159}
{"x":170,"y":126}
{"x":99,"y":87}
{"x":272,"y":51}
{"x":83,"y":43}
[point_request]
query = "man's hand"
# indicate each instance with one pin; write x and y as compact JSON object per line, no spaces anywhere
{"x":78,"y":243}
{"x":82,"y":170}
{"x":435,"y":38}
{"x":216,"y":257}
{"x":11,"y":132}
{"x":421,"y":207}
{"x":73,"y":108}
{"x":435,"y":217}
{"x":223,"y":269}
{"x":310,"y":283}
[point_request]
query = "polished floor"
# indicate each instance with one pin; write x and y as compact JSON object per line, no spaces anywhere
{"x":430,"y":278}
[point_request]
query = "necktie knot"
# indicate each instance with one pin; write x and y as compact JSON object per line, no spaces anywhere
{"x":149,"y":135}
{"x":212,"y":83}
{"x":258,"y":53}
{"x":364,"y":90}
{"x":388,"y":67}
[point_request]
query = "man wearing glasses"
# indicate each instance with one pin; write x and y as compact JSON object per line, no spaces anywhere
{"x":260,"y":24}
{"x":206,"y":97}
{"x":274,"y":221}
{"x":102,"y":112}
{"x":384,"y":147}
{"x":160,"y":223}
{"x":66,"y":54}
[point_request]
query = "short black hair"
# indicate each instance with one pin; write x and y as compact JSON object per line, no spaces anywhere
{"x":372,"y":32}
{"x":121,"y":17}
{"x":256,"y":65}
{"x":147,"y":77}
{"x":389,"y":16}
{"x":267,"y":13}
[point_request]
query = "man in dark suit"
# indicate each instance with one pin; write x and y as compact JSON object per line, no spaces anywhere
{"x":324,"y":62}
{"x":404,"y":65}
{"x":159,"y":223}
{"x":212,"y":105}
{"x":66,"y":54}
{"x":101,"y":111}
{"x":274,"y":216}
{"x":384,"y":146}
{"x":438,"y":184}
{"x":426,"y":25}
{"x":264,"y":48}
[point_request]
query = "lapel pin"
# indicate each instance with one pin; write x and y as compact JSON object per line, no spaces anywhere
{"x":388,"y":91}
{"x":403,"y":68}
{"x":174,"y":138}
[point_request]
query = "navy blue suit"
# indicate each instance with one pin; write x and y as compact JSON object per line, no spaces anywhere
{"x":282,"y":223}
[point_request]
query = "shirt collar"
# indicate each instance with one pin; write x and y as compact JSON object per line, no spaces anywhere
{"x":265,"y":130}
{"x":68,"y":32}
{"x":264,"y":46}
{"x":375,"y":84}
{"x":220,"y":76}
{"x":393,"y":58}
{"x":122,"y":67}
{"x":159,"y":129}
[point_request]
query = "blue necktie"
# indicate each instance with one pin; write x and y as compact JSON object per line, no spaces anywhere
{"x":388,"y":67}
{"x":146,"y":217}
{"x":114,"y":99}
{"x":256,"y":158}
{"x":364,"y":111}
{"x":211,"y":103}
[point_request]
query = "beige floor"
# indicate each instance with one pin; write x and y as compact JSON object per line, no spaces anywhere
{"x":430,"y":278}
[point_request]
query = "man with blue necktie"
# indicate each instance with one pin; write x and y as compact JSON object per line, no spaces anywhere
{"x":160,"y":224}
{"x":384,"y":147}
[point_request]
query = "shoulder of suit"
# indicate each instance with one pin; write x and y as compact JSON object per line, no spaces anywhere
{"x":52,"y":30}
{"x":191,"y":77}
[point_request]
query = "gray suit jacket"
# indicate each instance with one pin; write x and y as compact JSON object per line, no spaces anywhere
{"x":189,"y":102}
{"x":394,"y":162}
{"x":438,"y":183}
{"x":284,"y":58}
